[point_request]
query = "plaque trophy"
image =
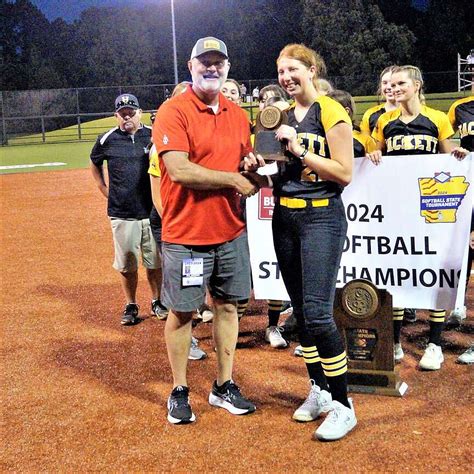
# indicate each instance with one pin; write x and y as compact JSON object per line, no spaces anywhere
{"x":268,"y":120}
{"x":363,"y":314}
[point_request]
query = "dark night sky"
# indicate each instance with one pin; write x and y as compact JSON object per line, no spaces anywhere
{"x":70,"y":10}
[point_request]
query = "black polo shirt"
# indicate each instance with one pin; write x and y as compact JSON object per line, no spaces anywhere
{"x":127,"y":165}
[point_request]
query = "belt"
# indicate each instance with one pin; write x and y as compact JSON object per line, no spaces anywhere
{"x":299,"y":203}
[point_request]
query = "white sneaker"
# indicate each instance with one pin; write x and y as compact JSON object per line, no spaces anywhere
{"x":432,"y":358}
{"x":195,"y":352}
{"x":298,"y":351}
{"x":338,"y":423}
{"x":205,"y":313}
{"x":287,"y":309}
{"x":398,"y":353}
{"x":317,"y":402}
{"x":274,"y":337}
{"x":457,"y":315}
{"x":467,"y":357}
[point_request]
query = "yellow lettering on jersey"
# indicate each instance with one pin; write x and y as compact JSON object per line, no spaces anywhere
{"x":431,"y":144}
{"x":314,"y":143}
{"x":466,"y":129}
{"x":408,"y":143}
{"x":412,"y":142}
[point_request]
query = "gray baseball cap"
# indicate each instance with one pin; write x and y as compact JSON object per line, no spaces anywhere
{"x":126,"y":100}
{"x":209,"y":43}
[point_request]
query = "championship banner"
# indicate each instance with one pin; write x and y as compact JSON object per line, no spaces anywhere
{"x":409,"y":223}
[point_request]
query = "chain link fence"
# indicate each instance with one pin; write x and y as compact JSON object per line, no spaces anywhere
{"x":62,"y":115}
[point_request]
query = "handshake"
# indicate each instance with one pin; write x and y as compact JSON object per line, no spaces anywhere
{"x":248,"y":181}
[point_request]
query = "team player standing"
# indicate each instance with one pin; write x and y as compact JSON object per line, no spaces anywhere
{"x":413,"y":128}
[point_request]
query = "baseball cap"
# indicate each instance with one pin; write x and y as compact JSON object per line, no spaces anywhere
{"x":126,"y":100}
{"x":209,"y":43}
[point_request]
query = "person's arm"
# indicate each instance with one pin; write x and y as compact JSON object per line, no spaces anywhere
{"x":191,"y":175}
{"x":98,"y":175}
{"x":155,"y":182}
{"x":339,"y":139}
{"x":447,"y":146}
{"x":375,"y":156}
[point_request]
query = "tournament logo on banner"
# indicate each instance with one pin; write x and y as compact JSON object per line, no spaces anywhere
{"x":441,"y":197}
{"x":409,"y":222}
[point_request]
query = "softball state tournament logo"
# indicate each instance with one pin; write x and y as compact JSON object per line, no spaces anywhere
{"x":441,"y":196}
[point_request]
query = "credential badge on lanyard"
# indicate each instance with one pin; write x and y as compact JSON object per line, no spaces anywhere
{"x":192,"y":272}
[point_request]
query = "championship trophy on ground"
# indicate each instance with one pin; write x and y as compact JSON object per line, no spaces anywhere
{"x":363,"y":314}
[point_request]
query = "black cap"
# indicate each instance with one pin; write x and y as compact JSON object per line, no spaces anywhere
{"x":126,"y":100}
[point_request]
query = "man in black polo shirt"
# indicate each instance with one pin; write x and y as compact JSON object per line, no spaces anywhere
{"x":126,"y":148}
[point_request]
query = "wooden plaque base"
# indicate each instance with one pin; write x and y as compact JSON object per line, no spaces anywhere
{"x":363,"y":314}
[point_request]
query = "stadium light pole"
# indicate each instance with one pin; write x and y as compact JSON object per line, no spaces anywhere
{"x":175,"y":58}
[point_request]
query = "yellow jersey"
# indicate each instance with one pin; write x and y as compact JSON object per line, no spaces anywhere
{"x":461,"y":116}
{"x":420,"y":136}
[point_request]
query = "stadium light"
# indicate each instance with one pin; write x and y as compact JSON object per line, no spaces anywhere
{"x":175,"y":58}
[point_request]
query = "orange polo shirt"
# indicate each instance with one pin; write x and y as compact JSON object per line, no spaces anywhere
{"x":214,"y":141}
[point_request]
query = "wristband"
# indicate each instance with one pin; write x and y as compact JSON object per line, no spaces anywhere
{"x":305,"y":151}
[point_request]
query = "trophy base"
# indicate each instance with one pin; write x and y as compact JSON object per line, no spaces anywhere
{"x":378,"y":382}
{"x":269,"y":147}
{"x":274,"y":157}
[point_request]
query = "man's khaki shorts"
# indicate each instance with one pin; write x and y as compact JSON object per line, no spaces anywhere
{"x":133,"y":237}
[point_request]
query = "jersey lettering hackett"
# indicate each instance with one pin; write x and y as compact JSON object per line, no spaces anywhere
{"x":461,"y":116}
{"x":296,"y":180}
{"x":215,"y":141}
{"x":420,"y":136}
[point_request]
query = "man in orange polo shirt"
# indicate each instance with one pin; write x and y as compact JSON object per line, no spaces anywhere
{"x":202,"y":138}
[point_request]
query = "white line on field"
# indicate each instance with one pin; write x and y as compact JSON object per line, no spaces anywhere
{"x":14,"y":167}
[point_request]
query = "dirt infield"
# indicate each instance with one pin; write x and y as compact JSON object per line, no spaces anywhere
{"x":81,"y":393}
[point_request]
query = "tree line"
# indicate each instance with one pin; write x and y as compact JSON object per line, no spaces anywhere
{"x":133,"y":45}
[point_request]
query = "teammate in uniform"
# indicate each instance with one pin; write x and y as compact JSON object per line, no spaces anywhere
{"x":362,"y":142}
{"x":371,"y":115}
{"x":461,"y":116}
{"x":414,"y":128}
{"x":309,"y":227}
{"x":128,"y":193}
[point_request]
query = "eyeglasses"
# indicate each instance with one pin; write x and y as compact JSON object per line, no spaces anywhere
{"x":219,"y":64}
{"x":127,"y":113}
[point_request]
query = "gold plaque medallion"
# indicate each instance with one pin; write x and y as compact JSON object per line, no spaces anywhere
{"x":271,"y":117}
{"x":360,"y":299}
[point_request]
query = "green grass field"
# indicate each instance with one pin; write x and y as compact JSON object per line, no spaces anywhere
{"x":34,"y":157}
{"x":64,"y":150}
